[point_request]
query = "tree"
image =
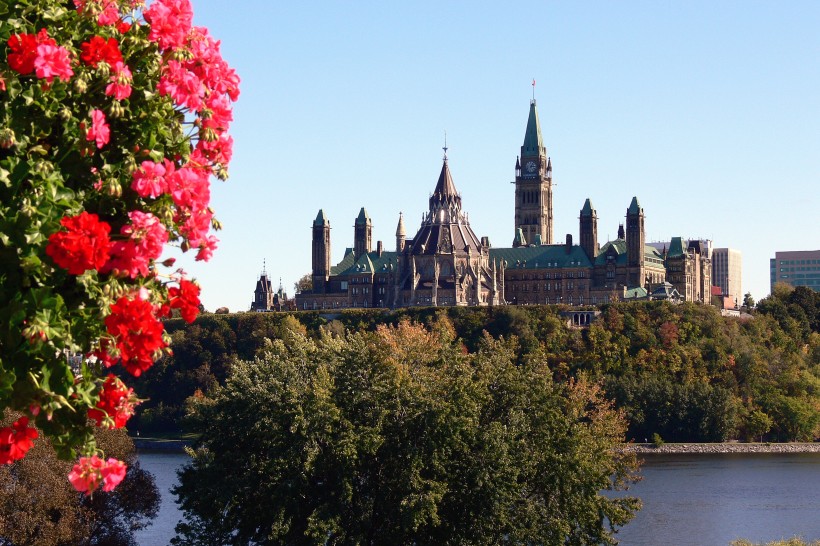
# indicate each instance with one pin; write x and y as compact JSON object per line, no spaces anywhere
{"x":748,"y":301}
{"x":398,"y":437}
{"x":113,"y":119}
{"x":304,"y":284}
{"x":39,"y":506}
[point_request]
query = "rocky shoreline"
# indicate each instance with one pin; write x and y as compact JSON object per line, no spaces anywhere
{"x":728,"y":447}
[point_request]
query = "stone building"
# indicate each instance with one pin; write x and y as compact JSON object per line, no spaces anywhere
{"x":266,"y":299}
{"x":445,"y":263}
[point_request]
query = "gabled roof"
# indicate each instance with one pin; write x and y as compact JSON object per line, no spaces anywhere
{"x":635,"y":293}
{"x":538,"y":257}
{"x":370,"y":262}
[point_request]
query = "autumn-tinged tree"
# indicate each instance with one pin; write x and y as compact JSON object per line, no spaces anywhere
{"x":38,"y":506}
{"x":399,"y":437}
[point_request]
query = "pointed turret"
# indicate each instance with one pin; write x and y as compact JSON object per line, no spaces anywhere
{"x":533,"y":184}
{"x":321,"y":219}
{"x":589,"y":230}
{"x":445,"y":194}
{"x":533,"y":143}
{"x":362,"y":234}
{"x":635,"y":243}
{"x":401,"y":235}
{"x":634,"y":207}
{"x":363,"y":217}
{"x":321,"y":252}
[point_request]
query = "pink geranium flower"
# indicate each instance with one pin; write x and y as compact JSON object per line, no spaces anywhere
{"x":52,"y":61}
{"x":89,"y":472}
{"x":149,"y":179}
{"x":120,"y":86}
{"x":99,"y":132}
{"x":170,"y":22}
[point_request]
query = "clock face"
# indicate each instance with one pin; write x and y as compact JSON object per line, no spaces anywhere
{"x":531,"y":166}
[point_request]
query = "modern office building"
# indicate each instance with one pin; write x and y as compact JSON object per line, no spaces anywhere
{"x":797,"y":268}
{"x":727,"y":268}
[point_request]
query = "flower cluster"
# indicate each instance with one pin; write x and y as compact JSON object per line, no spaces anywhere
{"x":90,"y":472}
{"x":16,"y":440}
{"x":116,"y":405}
{"x":119,"y":117}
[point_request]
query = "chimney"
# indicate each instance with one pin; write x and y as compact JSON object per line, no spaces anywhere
{"x":568,"y":247}
{"x":379,"y":248}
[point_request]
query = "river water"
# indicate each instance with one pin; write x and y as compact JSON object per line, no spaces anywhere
{"x":689,"y":500}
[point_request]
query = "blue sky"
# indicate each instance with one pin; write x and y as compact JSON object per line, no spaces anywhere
{"x":708,"y":112}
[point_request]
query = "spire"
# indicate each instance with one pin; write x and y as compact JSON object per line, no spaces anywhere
{"x":363,"y":218}
{"x":321,"y":219}
{"x":587,"y":210}
{"x":400,"y":232}
{"x":445,"y":193}
{"x":533,"y":143}
{"x":634,"y":207}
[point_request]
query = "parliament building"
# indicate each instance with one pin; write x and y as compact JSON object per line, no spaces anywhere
{"x":445,"y":263}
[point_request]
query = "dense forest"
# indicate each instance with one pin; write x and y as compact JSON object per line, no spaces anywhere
{"x":681,"y":372}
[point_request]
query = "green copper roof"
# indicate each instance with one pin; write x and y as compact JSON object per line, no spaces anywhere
{"x":363,"y":218}
{"x":540,"y":257}
{"x":533,"y":143}
{"x":587,"y":210}
{"x":366,"y":263}
{"x":634,"y":206}
{"x":635,"y":293}
{"x":675,"y":248}
{"x":321,"y":219}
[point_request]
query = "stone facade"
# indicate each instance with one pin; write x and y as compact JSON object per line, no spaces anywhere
{"x":445,"y":263}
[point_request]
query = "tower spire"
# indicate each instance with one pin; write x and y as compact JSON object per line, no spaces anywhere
{"x":445,"y":145}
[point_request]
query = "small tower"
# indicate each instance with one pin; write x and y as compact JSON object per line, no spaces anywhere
{"x":401,"y":235}
{"x":533,"y":185}
{"x":263,"y":295}
{"x":589,"y":230}
{"x":635,"y":242}
{"x":321,"y":252}
{"x":362,"y":234}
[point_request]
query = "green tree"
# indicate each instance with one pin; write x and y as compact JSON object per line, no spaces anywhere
{"x":748,"y":301}
{"x":398,"y":437}
{"x":304,"y":284}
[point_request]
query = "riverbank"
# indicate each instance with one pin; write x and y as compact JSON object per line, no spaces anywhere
{"x":173,"y":445}
{"x":727,"y":447}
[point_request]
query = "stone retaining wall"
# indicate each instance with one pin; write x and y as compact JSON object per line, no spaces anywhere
{"x":731,"y":447}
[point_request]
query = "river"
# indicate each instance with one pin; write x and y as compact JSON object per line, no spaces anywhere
{"x":689,"y":500}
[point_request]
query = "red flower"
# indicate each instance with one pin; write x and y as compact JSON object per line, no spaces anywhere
{"x":16,"y":440}
{"x":117,"y":403}
{"x":137,"y":332}
{"x":24,"y":50}
{"x":99,"y":49}
{"x":90,"y":471}
{"x":186,"y":299}
{"x":83,"y":246}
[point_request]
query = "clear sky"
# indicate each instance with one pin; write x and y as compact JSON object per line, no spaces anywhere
{"x":708,"y":112}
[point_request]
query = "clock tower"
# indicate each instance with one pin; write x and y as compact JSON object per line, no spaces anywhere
{"x":533,"y":187}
